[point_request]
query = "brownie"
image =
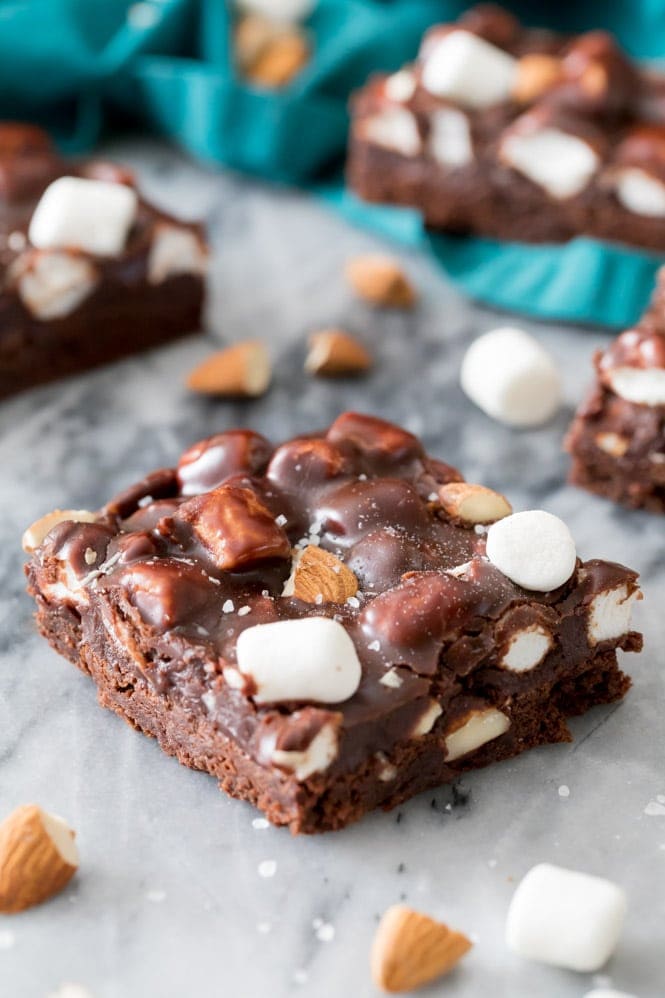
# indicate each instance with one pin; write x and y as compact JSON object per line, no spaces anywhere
{"x":617,"y":439}
{"x":566,"y":138}
{"x":63,"y":309}
{"x":319,"y":625}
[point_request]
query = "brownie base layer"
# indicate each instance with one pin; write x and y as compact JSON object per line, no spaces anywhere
{"x":632,"y":487}
{"x":326,"y":801}
{"x":114,"y":322}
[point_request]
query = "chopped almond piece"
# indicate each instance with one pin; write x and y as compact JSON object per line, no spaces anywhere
{"x":380,"y":280}
{"x":240,"y":370}
{"x":333,"y":353}
{"x":411,"y":949}
{"x":38,"y":857}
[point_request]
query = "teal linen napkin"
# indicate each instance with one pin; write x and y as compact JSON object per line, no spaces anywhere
{"x":78,"y":66}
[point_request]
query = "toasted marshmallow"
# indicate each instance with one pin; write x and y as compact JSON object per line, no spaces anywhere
{"x":640,"y":193}
{"x":565,"y":918}
{"x":526,"y":649}
{"x":311,"y":658}
{"x":175,"y":250}
{"x":610,"y":613}
{"x":449,"y":140}
{"x":534,"y":549}
{"x":464,"y":68}
{"x":400,"y":87}
{"x":316,"y":758}
{"x":641,"y":385}
{"x":394,"y":128}
{"x":90,"y":215}
{"x":52,"y":284}
{"x":481,"y":726}
{"x":561,"y":163}
{"x":511,"y":377}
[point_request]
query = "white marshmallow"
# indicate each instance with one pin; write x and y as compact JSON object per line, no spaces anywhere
{"x":565,"y":918}
{"x":610,"y":613}
{"x":509,"y":375}
{"x":427,"y":719}
{"x":394,"y":128}
{"x":640,"y":192}
{"x":311,"y":658}
{"x":175,"y":250}
{"x":534,"y":549}
{"x":482,"y":726}
{"x":527,"y":649}
{"x":53,"y":284}
{"x":449,"y":140}
{"x":641,"y":385}
{"x":314,"y":759}
{"x":560,"y":163}
{"x":400,"y":87}
{"x":290,"y":11}
{"x":466,"y":69}
{"x":607,"y":993}
{"x":90,"y":215}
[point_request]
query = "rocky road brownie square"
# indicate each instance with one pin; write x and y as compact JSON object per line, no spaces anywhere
{"x":90,"y":271}
{"x":617,"y":440}
{"x":516,"y":133}
{"x":330,"y":625}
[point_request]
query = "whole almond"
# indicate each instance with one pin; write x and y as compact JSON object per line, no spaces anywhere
{"x":38,"y":857}
{"x":334,"y":353}
{"x":280,"y":60}
{"x":473,"y":503}
{"x":240,"y":370}
{"x":536,"y":73}
{"x":380,"y":280}
{"x":319,"y":577}
{"x":411,"y":949}
{"x":37,"y":531}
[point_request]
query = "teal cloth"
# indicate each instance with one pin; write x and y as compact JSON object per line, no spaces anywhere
{"x":79,"y":66}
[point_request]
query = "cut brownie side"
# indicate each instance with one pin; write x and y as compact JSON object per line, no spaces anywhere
{"x":209,"y":604}
{"x":516,"y":133}
{"x":617,"y":440}
{"x":70,"y":299}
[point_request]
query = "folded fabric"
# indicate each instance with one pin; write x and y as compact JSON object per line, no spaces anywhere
{"x":167,"y":66}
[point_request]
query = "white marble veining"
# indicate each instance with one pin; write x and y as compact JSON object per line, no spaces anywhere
{"x":181,"y":892}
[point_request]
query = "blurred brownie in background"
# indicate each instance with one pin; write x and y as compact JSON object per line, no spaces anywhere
{"x":516,"y":133}
{"x":90,"y":271}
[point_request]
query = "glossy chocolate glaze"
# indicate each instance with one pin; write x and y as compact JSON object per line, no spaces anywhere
{"x":171,"y":561}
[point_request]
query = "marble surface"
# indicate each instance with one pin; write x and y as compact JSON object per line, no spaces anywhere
{"x":170,"y":901}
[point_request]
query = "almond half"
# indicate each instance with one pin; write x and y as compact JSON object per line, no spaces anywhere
{"x":411,"y":949}
{"x":279,"y":60}
{"x":333,"y":353}
{"x":319,"y":577}
{"x":473,"y":503}
{"x":536,"y":73}
{"x":38,"y":857}
{"x":380,"y":280}
{"x":37,"y":531}
{"x":242,"y":370}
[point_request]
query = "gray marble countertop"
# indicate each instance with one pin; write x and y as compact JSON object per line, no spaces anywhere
{"x":169,"y":902}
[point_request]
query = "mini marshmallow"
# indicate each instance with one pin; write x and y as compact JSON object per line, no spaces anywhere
{"x":482,"y":726}
{"x":641,"y":385}
{"x":509,"y":375}
{"x":52,"y":285}
{"x":311,"y":658}
{"x":610,"y":613}
{"x":449,"y":140}
{"x":560,"y":163}
{"x":175,"y":250}
{"x":314,"y":759}
{"x":534,"y":549}
{"x":565,"y":918}
{"x":400,"y":87}
{"x":464,"y":68}
{"x":641,"y":193}
{"x":90,"y":215}
{"x":394,"y":128}
{"x":527,"y":649}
